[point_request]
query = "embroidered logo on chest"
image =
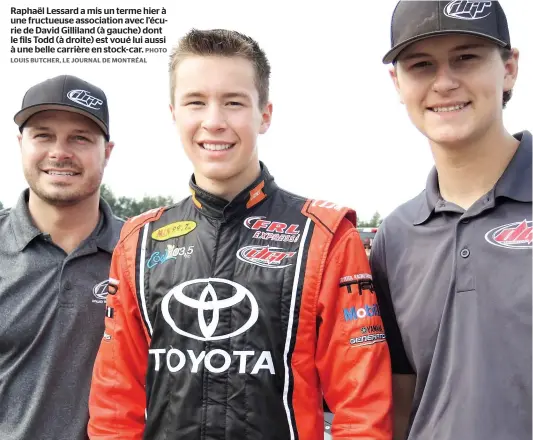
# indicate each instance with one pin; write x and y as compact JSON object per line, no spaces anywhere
{"x":516,"y":235}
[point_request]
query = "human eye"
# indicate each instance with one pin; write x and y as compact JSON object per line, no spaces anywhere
{"x":80,"y":138}
{"x":467,"y":57}
{"x":41,"y":136}
{"x":420,"y":65}
{"x":194,"y":103}
{"x":235,"y":104}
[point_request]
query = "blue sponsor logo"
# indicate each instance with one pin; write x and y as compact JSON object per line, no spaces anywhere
{"x":159,"y":258}
{"x":171,"y":253}
{"x":353,"y":314}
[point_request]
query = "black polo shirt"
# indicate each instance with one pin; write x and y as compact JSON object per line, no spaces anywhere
{"x":455,"y":290}
{"x":52,"y":308}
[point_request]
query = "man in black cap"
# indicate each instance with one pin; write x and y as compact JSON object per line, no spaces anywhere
{"x":452,"y":267}
{"x":55,"y":252}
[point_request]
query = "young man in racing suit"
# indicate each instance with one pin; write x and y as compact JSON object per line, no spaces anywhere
{"x":239,"y":309}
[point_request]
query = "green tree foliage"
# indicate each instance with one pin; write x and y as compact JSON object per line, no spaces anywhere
{"x":126,"y":207}
{"x":374,"y":222}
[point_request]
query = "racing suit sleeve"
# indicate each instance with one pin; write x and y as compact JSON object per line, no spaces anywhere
{"x":117,"y":398}
{"x":352,"y":356}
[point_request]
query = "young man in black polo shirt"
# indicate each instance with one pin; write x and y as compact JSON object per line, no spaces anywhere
{"x":55,"y":252}
{"x":452,"y":267}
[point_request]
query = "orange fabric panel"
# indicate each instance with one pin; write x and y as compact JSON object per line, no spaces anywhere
{"x":117,"y":399}
{"x":330,"y":353}
{"x":307,"y":398}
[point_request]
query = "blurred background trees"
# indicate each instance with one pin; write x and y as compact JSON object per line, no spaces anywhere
{"x":374,"y":222}
{"x":126,"y":207}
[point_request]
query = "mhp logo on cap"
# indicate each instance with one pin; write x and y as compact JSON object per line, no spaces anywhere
{"x":464,"y":10}
{"x":84,"y":98}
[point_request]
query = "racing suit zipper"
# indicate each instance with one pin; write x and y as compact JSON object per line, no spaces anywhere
{"x":205,"y":390}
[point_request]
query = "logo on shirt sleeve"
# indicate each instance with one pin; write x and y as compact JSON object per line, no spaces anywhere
{"x":357,"y":283}
{"x":355,"y":313}
{"x":360,"y":313}
{"x":369,"y":335}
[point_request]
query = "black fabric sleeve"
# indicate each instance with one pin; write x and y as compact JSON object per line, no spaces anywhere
{"x":399,"y":360}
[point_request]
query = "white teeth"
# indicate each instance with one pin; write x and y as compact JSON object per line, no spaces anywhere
{"x":216,"y":147}
{"x":60,"y":173}
{"x":448,"y":109}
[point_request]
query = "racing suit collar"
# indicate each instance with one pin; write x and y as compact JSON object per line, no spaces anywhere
{"x":217,"y":207}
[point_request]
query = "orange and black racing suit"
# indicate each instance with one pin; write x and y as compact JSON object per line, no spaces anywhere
{"x":235,"y":320}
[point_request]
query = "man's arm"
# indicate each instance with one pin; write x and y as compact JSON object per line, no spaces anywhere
{"x":403,"y":390}
{"x":352,"y":355}
{"x":403,"y":379}
{"x":117,"y":400}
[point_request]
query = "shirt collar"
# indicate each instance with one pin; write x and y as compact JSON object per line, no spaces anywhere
{"x":515,"y":182}
{"x":25,"y":231}
{"x":217,"y":207}
{"x":429,"y":198}
{"x":107,"y":235}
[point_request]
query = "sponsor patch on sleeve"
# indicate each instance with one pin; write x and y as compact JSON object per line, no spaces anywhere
{"x":368,"y":335}
{"x":357,"y":283}
{"x":360,"y":313}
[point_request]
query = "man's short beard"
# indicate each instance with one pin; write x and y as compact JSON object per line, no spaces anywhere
{"x":67,"y":197}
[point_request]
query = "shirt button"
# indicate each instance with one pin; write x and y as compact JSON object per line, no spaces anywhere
{"x":68,"y":285}
{"x":465,"y":253}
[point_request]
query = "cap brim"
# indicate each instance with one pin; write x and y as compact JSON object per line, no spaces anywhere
{"x":392,"y":54}
{"x":23,"y":115}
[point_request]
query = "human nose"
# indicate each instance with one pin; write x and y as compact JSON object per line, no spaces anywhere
{"x":215,"y":119}
{"x":445,"y":79}
{"x":60,"y":150}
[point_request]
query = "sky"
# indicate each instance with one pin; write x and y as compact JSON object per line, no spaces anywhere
{"x":339,"y":131}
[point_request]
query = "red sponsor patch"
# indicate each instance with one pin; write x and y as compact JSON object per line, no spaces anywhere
{"x":517,"y":235}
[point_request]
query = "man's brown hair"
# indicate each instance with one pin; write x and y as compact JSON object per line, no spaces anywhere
{"x":225,"y":43}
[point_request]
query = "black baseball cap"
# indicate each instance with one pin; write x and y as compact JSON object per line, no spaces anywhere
{"x":67,"y":93}
{"x":416,"y":20}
